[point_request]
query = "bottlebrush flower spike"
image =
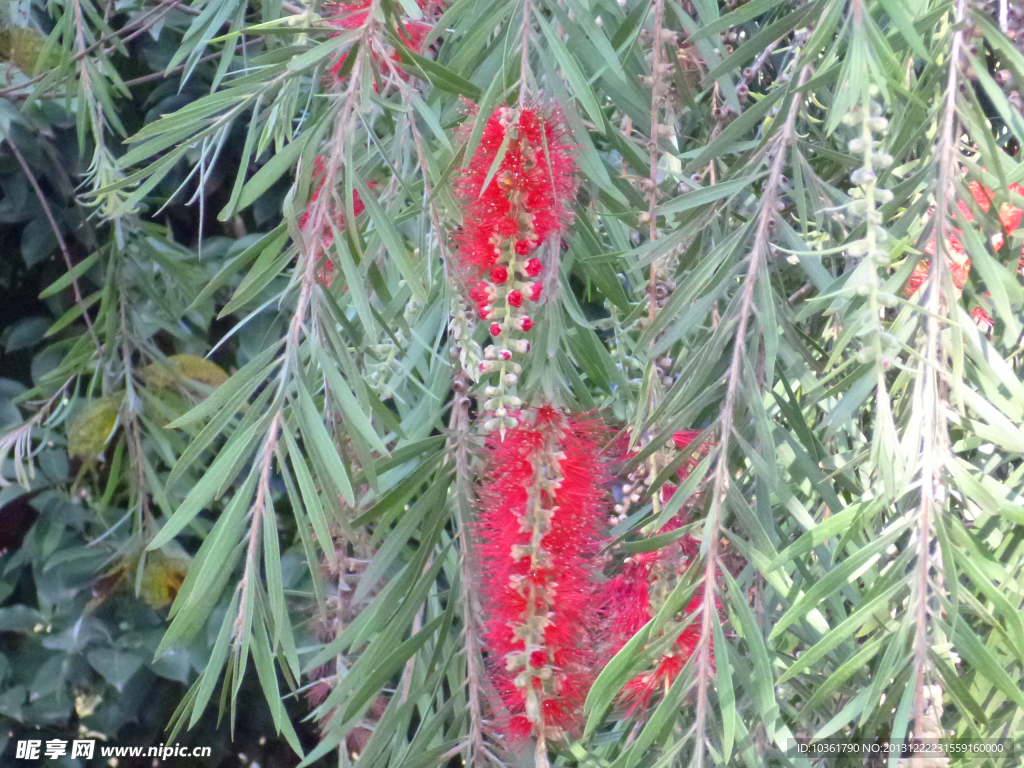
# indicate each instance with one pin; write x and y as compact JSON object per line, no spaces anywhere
{"x":542,"y":511}
{"x":355,"y":15}
{"x":635,"y":595}
{"x":515,"y":194}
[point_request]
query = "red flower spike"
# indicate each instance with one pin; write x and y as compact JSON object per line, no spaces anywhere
{"x":515,"y":299}
{"x":533,"y":267}
{"x":542,"y":512}
{"x":527,"y":196}
{"x":355,"y":15}
{"x":627,"y":603}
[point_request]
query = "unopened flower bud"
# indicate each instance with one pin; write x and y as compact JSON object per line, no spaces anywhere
{"x":878,"y":124}
{"x":495,"y":329}
{"x":862,"y":176}
{"x":511,"y":379}
{"x":522,"y":346}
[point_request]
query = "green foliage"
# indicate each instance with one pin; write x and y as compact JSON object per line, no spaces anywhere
{"x":236,"y":359}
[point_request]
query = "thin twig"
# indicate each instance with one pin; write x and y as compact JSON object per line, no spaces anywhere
{"x":76,"y":289}
{"x":934,"y":427}
{"x":652,"y":194}
{"x":132,"y":430}
{"x":524,"y":64}
{"x":459,"y":439}
{"x":720,"y":487}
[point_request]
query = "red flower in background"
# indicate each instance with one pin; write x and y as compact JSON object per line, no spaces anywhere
{"x":542,"y":511}
{"x":1009,"y":218}
{"x":355,"y":15}
{"x":628,"y":596}
{"x":982,"y":319}
{"x":333,"y":215}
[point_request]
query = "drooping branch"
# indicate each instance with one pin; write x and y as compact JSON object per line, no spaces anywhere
{"x":929,"y":395}
{"x":720,"y":485}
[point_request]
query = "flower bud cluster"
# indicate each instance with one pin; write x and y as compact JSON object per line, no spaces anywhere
{"x":871,"y":251}
{"x":384,"y":365}
{"x":463,"y":346}
{"x":515,"y":193}
{"x":637,"y":483}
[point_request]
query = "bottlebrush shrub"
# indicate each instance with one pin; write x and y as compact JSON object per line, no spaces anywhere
{"x":508,"y":212}
{"x":539,"y":529}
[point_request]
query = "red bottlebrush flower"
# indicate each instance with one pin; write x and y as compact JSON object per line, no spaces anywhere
{"x":682,"y":440}
{"x":629,"y":598}
{"x":960,"y":272}
{"x":527,"y":197}
{"x":982,"y":319}
{"x":1010,"y":217}
{"x":533,"y":267}
{"x":515,"y":193}
{"x":684,"y":437}
{"x":354,"y":15}
{"x":526,"y":200}
{"x":542,"y":510}
{"x":639,"y":691}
